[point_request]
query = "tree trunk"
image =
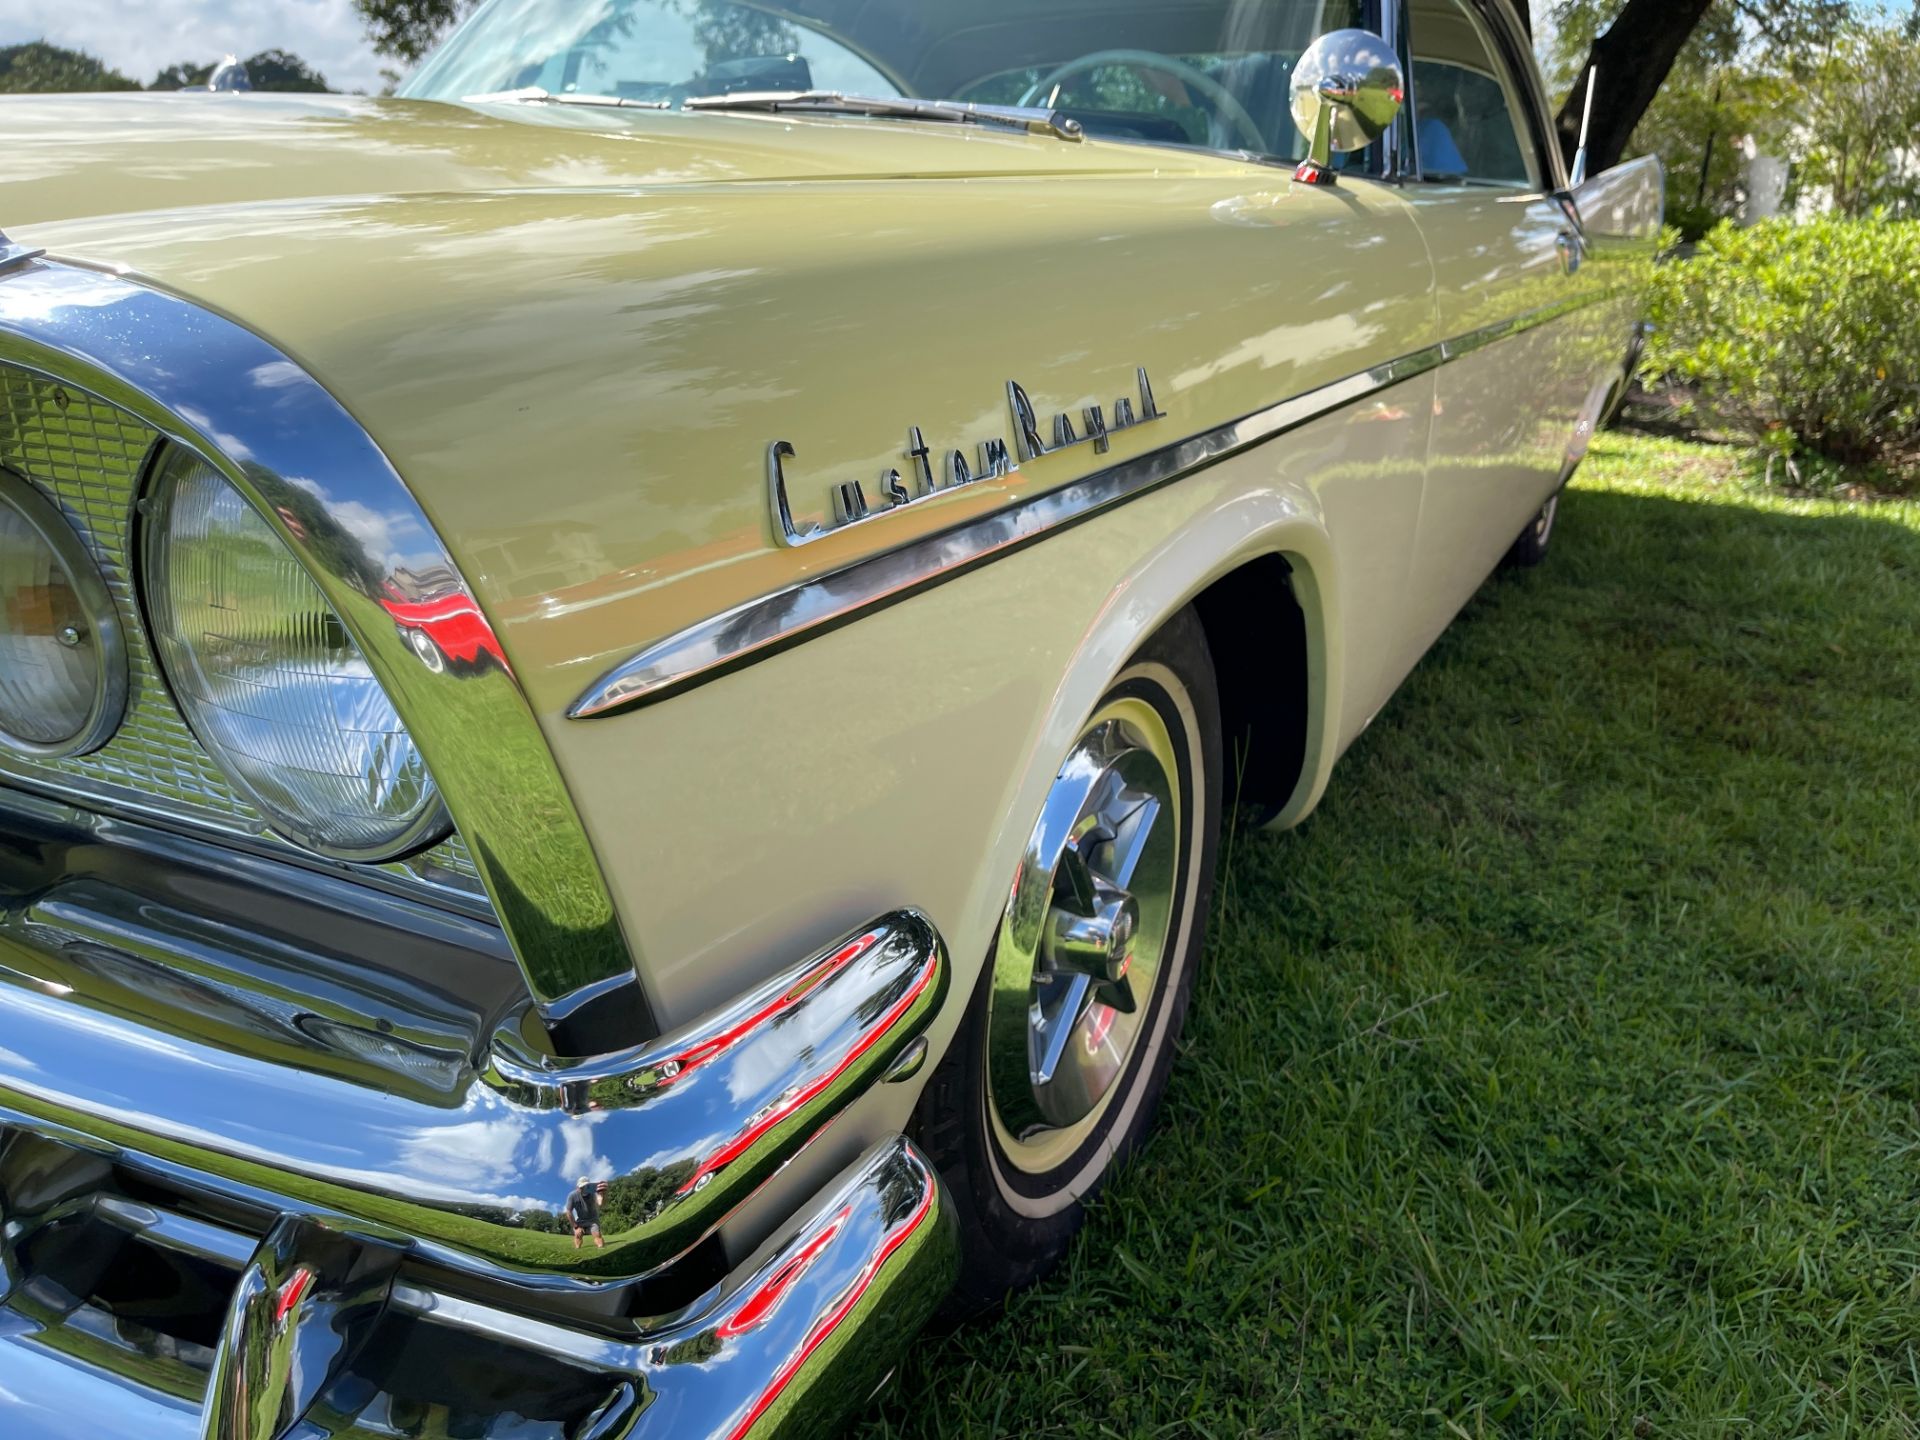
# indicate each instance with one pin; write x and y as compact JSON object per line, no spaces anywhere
{"x":1634,"y":56}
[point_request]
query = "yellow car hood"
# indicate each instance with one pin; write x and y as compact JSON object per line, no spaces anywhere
{"x":75,"y":157}
{"x":577,"y":333}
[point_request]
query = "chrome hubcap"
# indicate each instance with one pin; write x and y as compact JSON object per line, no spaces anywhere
{"x":1081,"y":945}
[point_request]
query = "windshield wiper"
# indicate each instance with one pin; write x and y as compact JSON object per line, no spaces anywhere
{"x":534,"y":95}
{"x":1033,"y":120}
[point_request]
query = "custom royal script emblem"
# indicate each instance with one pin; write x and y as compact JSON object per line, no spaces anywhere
{"x":925,"y":478}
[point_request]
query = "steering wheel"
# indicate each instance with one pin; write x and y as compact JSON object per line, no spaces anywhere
{"x":1220,"y":99}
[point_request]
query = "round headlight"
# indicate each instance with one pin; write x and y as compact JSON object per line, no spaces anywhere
{"x":63,"y":671}
{"x":271,"y":681}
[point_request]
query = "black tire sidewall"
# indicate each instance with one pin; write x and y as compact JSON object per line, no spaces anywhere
{"x":1530,"y":547}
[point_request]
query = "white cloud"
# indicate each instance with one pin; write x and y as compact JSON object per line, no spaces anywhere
{"x":141,"y":37}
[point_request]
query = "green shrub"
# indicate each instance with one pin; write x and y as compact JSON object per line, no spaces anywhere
{"x":1802,"y":337}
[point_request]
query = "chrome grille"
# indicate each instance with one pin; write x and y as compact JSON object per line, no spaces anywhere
{"x":88,"y":457}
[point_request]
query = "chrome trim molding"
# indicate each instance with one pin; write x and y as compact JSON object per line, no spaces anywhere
{"x":271,"y":429}
{"x":306,"y":1305}
{"x":1389,"y":19}
{"x":764,"y":626}
{"x":477,"y":1170}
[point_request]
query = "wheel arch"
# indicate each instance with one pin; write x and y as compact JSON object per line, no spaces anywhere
{"x":1258,"y":572}
{"x":1264,"y":651}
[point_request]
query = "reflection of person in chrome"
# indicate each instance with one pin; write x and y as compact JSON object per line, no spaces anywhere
{"x":583,"y":1209}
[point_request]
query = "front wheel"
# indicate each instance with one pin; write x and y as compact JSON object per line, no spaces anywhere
{"x":427,"y":651}
{"x":1061,"y":1062}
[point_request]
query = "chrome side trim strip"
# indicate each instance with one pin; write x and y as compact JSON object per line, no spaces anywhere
{"x":764,"y":626}
{"x":219,"y":389}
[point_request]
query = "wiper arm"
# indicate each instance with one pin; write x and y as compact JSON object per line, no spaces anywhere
{"x":1033,"y":120}
{"x":534,"y":95}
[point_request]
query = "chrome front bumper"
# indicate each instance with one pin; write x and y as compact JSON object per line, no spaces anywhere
{"x":351,"y":1224}
{"x":798,"y":1342}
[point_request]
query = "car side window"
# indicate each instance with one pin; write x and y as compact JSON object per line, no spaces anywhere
{"x":1466,"y":108}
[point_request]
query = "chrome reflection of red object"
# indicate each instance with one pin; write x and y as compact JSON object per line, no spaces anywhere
{"x":1103,"y":1017}
{"x":453,"y":623}
{"x":773,"y":1289}
{"x":715,"y":1045}
{"x":797,"y":1096}
{"x":291,"y":1294}
{"x":831,"y":1320}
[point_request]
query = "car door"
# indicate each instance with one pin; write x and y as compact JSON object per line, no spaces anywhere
{"x":1506,"y":252}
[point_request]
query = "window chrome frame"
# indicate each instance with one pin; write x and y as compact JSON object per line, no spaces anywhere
{"x":1389,"y":19}
{"x":216,"y":388}
{"x":1515,"y":50}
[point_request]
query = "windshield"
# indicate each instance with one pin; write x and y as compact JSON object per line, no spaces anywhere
{"x":1209,"y":74}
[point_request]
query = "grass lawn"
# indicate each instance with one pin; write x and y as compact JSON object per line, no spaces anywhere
{"x":1559,"y":1077}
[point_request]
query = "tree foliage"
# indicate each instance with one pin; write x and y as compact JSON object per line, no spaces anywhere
{"x":38,"y":67}
{"x":1800,"y":338}
{"x":725,"y":32}
{"x":1824,"y":84}
{"x":182,"y":75}
{"x":1626,"y":62}
{"x":408,"y":29}
{"x":1862,"y":117}
{"x":279,"y":70}
{"x":1643,"y":49}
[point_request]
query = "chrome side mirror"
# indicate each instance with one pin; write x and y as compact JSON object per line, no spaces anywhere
{"x":1347,"y":89}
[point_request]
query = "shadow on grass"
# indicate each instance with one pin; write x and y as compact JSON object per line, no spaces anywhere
{"x":1560,"y":1076}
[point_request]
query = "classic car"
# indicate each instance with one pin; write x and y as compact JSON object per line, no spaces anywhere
{"x":440,"y":622}
{"x":893,"y":474}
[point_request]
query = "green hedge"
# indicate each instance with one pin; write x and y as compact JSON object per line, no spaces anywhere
{"x":1802,"y":337}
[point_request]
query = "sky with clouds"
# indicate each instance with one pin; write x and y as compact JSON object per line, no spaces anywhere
{"x":141,"y":37}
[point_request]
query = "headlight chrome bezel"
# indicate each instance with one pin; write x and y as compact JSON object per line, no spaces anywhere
{"x":427,"y":826}
{"x":270,"y":427}
{"x":70,"y":553}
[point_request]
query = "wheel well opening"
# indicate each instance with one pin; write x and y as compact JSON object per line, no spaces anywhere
{"x":1257,"y":633}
